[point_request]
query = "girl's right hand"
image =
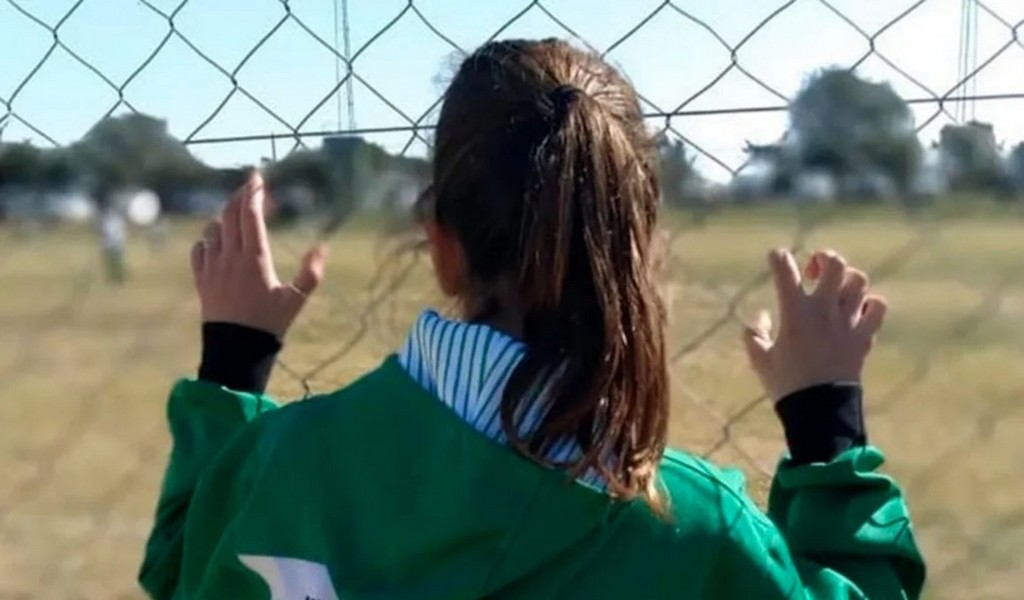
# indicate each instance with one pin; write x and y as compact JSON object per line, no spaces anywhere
{"x":824,"y":335}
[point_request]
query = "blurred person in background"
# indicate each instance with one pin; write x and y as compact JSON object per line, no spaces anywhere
{"x":519,"y":450}
{"x":113,"y":232}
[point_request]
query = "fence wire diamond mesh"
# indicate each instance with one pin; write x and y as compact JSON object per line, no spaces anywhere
{"x":85,"y":367}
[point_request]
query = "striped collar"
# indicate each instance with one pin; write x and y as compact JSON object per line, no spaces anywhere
{"x":467,"y":366}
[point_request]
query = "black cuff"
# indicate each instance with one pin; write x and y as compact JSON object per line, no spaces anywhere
{"x":238,"y":357}
{"x":822,"y":421}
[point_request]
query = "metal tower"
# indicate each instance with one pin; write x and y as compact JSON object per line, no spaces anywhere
{"x":341,"y":30}
{"x":967,"y":60}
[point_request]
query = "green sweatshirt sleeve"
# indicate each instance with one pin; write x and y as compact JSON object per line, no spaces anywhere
{"x":833,"y":530}
{"x":204,"y":419}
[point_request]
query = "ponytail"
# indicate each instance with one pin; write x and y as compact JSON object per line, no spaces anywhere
{"x":546,"y":175}
{"x":589,"y":301}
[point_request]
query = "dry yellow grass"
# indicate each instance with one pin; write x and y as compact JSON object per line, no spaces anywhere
{"x":84,"y":369}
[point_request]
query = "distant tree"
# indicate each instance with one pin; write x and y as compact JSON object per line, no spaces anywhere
{"x":971,"y":157}
{"x":21,"y":163}
{"x":170,"y":177}
{"x":59,"y":168}
{"x":848,"y":127}
{"x":231,"y":178}
{"x":137,"y":150}
{"x":780,"y":162}
{"x":312,"y":170}
{"x":1015,"y":167}
{"x":307,"y":167}
{"x":679,"y":178}
{"x":358,"y":166}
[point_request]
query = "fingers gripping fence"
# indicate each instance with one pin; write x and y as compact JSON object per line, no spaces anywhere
{"x":85,"y":368}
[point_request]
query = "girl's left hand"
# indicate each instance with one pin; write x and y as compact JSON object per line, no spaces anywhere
{"x":234,"y":271}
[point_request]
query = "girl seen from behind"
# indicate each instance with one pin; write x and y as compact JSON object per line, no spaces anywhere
{"x":519,"y":451}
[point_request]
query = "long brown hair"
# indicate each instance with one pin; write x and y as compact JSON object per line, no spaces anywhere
{"x":545,"y":173}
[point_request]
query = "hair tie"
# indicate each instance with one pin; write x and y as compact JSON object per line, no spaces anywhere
{"x":562,"y":98}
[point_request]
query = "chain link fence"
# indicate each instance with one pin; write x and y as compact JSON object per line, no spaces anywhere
{"x":85,"y":367}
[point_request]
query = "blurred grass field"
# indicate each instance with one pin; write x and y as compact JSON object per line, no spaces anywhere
{"x":84,"y":369}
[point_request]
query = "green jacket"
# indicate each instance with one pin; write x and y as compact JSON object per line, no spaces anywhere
{"x":380,"y":491}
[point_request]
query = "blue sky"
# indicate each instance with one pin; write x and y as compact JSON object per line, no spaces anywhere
{"x":669,"y":59}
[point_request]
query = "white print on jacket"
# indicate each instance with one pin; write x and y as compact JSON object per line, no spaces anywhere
{"x":292,"y":578}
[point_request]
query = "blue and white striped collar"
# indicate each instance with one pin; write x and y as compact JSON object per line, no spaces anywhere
{"x":467,"y":366}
